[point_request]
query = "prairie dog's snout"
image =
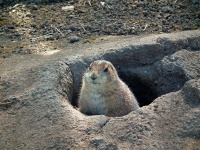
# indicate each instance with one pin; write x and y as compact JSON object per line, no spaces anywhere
{"x":93,"y":75}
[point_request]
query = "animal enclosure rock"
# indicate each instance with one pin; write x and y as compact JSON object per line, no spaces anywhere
{"x":42,"y":117}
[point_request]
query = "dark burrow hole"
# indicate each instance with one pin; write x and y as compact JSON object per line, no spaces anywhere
{"x":143,"y":92}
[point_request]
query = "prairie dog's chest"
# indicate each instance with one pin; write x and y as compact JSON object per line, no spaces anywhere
{"x":97,"y":99}
{"x":97,"y":103}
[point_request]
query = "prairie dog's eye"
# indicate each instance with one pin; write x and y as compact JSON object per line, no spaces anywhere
{"x":106,"y":69}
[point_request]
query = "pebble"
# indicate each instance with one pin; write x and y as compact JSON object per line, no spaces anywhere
{"x":68,"y":8}
{"x":28,"y":14}
{"x":16,"y":51}
{"x":145,"y":13}
{"x":34,"y":7}
{"x":52,"y":37}
{"x":164,"y":22}
{"x":73,"y":39}
{"x":33,"y":25}
{"x":164,"y":30}
{"x":11,"y":27}
{"x":102,"y":3}
{"x":16,"y":34}
{"x":69,"y":31}
{"x":73,"y":28}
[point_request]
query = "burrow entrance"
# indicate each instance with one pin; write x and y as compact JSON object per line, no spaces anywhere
{"x":147,"y":82}
{"x":144,"y":93}
{"x":149,"y":70}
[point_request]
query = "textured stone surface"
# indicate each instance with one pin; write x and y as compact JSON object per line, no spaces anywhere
{"x":35,"y":96}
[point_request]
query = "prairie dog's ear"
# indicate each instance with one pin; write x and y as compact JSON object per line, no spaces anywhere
{"x":111,"y":66}
{"x":90,"y":66}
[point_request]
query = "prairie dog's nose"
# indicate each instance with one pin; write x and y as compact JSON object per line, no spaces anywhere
{"x":93,"y":76}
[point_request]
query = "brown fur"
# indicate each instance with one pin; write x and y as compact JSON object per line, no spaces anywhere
{"x":105,"y":94}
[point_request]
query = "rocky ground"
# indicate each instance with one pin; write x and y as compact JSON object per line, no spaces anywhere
{"x":25,"y":24}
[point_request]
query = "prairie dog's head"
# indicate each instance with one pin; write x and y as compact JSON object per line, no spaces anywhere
{"x":100,"y":73}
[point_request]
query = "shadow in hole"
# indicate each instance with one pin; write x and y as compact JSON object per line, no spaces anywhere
{"x":142,"y":91}
{"x":74,"y":101}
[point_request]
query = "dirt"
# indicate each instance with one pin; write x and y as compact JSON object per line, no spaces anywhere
{"x":26,"y":26}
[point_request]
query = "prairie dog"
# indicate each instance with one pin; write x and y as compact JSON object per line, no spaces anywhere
{"x":104,"y":93}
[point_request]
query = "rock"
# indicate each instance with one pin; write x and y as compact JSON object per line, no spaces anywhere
{"x":50,"y":37}
{"x":33,"y":25}
{"x":25,"y":51}
{"x":69,"y":31}
{"x":167,"y":9}
{"x":102,"y":3}
{"x":43,"y":90}
{"x":11,"y":27}
{"x":68,"y":8}
{"x":28,"y":14}
{"x":165,"y":30}
{"x":145,"y":13}
{"x":17,"y":35}
{"x":164,"y":22}
{"x":72,"y":28}
{"x":7,"y":103}
{"x":73,"y":39}
{"x":33,"y":7}
{"x":191,"y":91}
{"x":16,"y":51}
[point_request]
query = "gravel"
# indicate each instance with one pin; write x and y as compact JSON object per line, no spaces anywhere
{"x":29,"y":22}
